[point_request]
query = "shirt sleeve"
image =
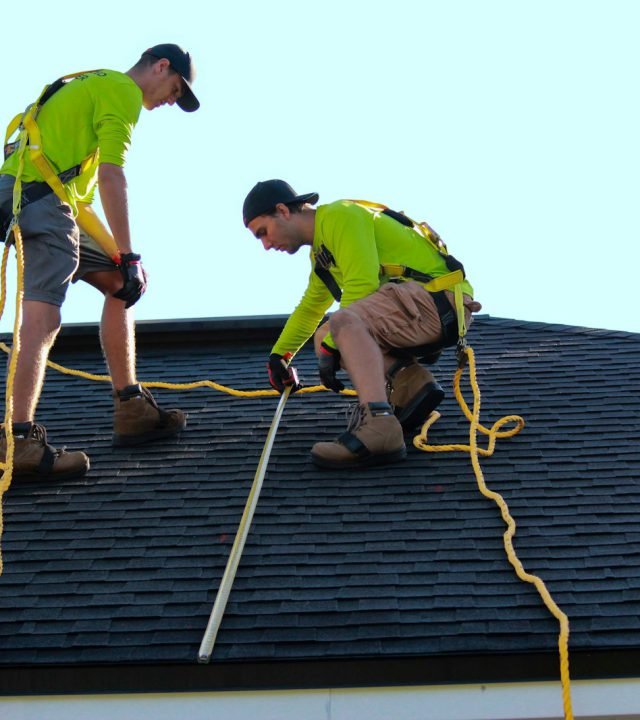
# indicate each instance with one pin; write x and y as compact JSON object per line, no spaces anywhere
{"x":116,"y":114}
{"x":304,"y":320}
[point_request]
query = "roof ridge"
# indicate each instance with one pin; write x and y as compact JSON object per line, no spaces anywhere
{"x":561,"y":327}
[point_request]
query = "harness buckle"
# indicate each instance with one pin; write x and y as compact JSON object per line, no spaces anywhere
{"x":461,"y":352}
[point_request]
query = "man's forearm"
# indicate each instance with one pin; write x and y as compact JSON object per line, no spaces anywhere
{"x":112,"y":185}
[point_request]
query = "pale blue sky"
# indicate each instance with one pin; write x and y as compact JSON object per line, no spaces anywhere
{"x":512,"y":127}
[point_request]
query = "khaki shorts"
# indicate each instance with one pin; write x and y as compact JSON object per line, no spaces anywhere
{"x":403,"y":315}
{"x":56,"y":253}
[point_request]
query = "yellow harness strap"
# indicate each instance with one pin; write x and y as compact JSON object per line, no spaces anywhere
{"x":12,"y":127}
{"x":30,"y":139}
{"x":444,"y":282}
{"x":38,"y":157}
{"x":423,"y":228}
{"x":450,"y":281}
{"x":95,"y":228}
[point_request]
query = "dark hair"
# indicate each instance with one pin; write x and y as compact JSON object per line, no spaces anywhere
{"x":294,"y":208}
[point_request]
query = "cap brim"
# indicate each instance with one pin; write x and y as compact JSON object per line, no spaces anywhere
{"x":187,"y":101}
{"x":311,"y":198}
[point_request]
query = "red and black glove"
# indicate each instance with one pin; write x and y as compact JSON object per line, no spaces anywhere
{"x":328,"y":366}
{"x":134,"y":277}
{"x":281,"y":374}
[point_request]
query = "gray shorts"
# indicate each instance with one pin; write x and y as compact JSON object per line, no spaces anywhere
{"x":56,"y":252}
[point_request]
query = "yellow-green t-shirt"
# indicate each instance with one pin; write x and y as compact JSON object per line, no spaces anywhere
{"x":94,"y":113}
{"x":359,"y":241}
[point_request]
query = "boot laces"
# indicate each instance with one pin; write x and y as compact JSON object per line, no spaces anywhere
{"x":144,"y":393}
{"x":150,"y":399}
{"x":355,"y":416}
{"x":164,"y":415}
{"x":39,"y":433}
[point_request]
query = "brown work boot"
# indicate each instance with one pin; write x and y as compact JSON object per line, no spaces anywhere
{"x":373,"y":437}
{"x":34,"y":460}
{"x":413,"y":392}
{"x":137,"y":418}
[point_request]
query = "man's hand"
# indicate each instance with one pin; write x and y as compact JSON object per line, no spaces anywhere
{"x":134,"y":277}
{"x":328,"y":366}
{"x":281,"y":374}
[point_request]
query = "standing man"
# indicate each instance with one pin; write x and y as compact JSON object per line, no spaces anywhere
{"x":85,"y":126}
{"x":378,"y":264}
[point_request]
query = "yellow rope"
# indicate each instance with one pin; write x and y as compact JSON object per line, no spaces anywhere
{"x":420,"y":441}
{"x":181,"y":386}
{"x":7,"y":466}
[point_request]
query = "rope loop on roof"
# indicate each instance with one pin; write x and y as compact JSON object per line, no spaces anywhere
{"x":494,"y":433}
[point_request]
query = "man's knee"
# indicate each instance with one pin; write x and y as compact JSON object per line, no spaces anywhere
{"x":344,"y":320}
{"x":40,"y":321}
{"x":340,"y":320}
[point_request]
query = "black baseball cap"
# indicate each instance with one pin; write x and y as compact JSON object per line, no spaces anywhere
{"x":180,"y":61}
{"x":264,"y":196}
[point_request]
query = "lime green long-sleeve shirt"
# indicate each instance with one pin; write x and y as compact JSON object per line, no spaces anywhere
{"x":96,"y":111}
{"x":360,"y":241}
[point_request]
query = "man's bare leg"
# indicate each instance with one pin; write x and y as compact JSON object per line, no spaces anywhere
{"x":40,"y":325}
{"x":137,"y":418}
{"x":117,"y":329}
{"x":361,"y":356}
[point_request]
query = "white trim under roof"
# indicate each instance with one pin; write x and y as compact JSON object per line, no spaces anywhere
{"x":594,"y":699}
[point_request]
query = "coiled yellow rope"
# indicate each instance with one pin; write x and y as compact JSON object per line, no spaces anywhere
{"x":494,"y":433}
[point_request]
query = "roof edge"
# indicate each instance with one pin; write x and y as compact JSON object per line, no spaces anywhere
{"x":311,"y":674}
{"x":265,"y":327}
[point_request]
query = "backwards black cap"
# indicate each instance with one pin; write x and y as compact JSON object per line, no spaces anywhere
{"x":264,"y":196}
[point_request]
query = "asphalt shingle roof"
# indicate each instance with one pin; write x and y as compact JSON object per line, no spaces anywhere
{"x":399,"y":562}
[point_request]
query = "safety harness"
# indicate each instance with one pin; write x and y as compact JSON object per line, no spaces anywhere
{"x":452,"y":321}
{"x":29,"y":140}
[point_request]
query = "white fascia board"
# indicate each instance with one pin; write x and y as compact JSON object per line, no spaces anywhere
{"x":601,"y":699}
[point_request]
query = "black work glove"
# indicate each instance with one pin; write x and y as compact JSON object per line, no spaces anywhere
{"x":328,"y":366}
{"x":134,"y":276}
{"x":281,"y":374}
